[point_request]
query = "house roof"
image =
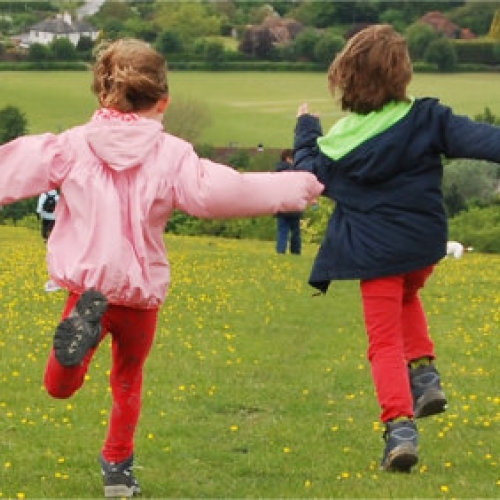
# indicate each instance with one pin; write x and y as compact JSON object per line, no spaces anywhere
{"x":59,"y":26}
{"x":439,"y":22}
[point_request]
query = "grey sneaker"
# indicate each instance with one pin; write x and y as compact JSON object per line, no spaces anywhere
{"x":119,"y":480}
{"x":81,"y":330}
{"x":401,"y":448}
{"x":428,"y":396}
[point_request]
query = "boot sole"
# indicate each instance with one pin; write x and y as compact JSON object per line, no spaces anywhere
{"x":401,"y":459}
{"x":81,"y":331}
{"x":432,"y":402}
{"x":91,"y":306}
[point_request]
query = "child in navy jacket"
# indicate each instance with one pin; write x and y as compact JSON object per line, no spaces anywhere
{"x":381,"y":164}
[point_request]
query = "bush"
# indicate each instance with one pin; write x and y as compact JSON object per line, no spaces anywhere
{"x":467,"y":180}
{"x":13,"y":123}
{"x":419,"y":36}
{"x":442,"y":53}
{"x":479,"y":228}
{"x":14,"y":213}
{"x":477,"y":51}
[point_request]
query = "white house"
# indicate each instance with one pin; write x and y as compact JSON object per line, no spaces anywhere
{"x":61,"y":26}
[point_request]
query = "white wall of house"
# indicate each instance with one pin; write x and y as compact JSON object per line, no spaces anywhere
{"x":70,"y":30}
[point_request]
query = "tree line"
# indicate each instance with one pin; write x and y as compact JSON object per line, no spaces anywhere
{"x":218,"y":33}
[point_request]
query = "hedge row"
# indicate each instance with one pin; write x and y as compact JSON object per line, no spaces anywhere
{"x":418,"y":67}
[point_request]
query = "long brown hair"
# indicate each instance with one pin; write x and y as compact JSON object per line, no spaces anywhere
{"x":129,"y":75}
{"x":373,"y":69}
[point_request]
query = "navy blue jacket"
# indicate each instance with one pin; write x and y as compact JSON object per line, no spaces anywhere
{"x":389,"y":215}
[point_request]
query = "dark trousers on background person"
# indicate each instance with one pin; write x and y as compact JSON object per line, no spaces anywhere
{"x":289,"y":227}
{"x":47,"y":226}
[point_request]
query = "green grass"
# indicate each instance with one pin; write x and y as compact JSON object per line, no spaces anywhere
{"x":246,"y":108}
{"x":254,"y":388}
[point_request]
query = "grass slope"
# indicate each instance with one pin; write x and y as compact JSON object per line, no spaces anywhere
{"x":254,"y":388}
{"x":247,"y":108}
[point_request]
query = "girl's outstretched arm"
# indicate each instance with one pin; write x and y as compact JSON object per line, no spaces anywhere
{"x":211,"y":190}
{"x":25,"y":166}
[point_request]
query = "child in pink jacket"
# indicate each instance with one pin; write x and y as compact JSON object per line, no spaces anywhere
{"x":120,"y":177}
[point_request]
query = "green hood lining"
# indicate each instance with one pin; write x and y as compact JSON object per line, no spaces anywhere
{"x":354,"y":129}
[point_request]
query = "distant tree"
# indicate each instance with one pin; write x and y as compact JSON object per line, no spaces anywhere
{"x":140,"y":28}
{"x":327,"y":14}
{"x":394,"y":17}
{"x":257,"y":42}
{"x":467,"y":180}
{"x":418,"y":37}
{"x":189,"y":20}
{"x":120,"y":11}
{"x":327,"y":47}
{"x":442,"y":53}
{"x":85,"y":44}
{"x":168,"y":42}
{"x":261,"y":12}
{"x":112,"y":28}
{"x":214,"y":53}
{"x":16,"y":5}
{"x":62,"y":49}
{"x":454,"y":201}
{"x":477,"y":16}
{"x":13,"y":124}
{"x":305,"y":43}
{"x":187,"y":119}
{"x":39,"y":52}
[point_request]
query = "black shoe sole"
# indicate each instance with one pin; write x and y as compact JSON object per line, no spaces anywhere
{"x":81,"y":331}
{"x":91,"y":306}
{"x":401,"y":459}
{"x":432,"y":402}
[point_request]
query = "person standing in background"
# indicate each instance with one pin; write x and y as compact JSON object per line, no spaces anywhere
{"x":288,"y":222}
{"x":46,"y":212}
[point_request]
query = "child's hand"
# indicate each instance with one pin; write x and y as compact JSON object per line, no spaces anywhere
{"x":303,"y":109}
{"x":313,"y":190}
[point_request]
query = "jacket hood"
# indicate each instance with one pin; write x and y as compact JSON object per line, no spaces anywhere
{"x":354,"y":129}
{"x":122,"y":141}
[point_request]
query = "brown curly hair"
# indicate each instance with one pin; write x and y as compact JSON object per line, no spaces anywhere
{"x":129,"y":75}
{"x":373,"y":69}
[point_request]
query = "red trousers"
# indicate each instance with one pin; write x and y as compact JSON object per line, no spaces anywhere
{"x":132,"y":332}
{"x":397,"y":334}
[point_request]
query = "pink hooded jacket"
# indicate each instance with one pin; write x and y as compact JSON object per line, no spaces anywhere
{"x":121,"y":176}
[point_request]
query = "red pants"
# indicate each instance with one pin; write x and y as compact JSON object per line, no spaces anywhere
{"x":397,"y":334}
{"x":132,"y":332}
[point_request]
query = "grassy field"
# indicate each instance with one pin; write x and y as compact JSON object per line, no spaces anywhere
{"x":254,"y":388}
{"x":246,"y":108}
